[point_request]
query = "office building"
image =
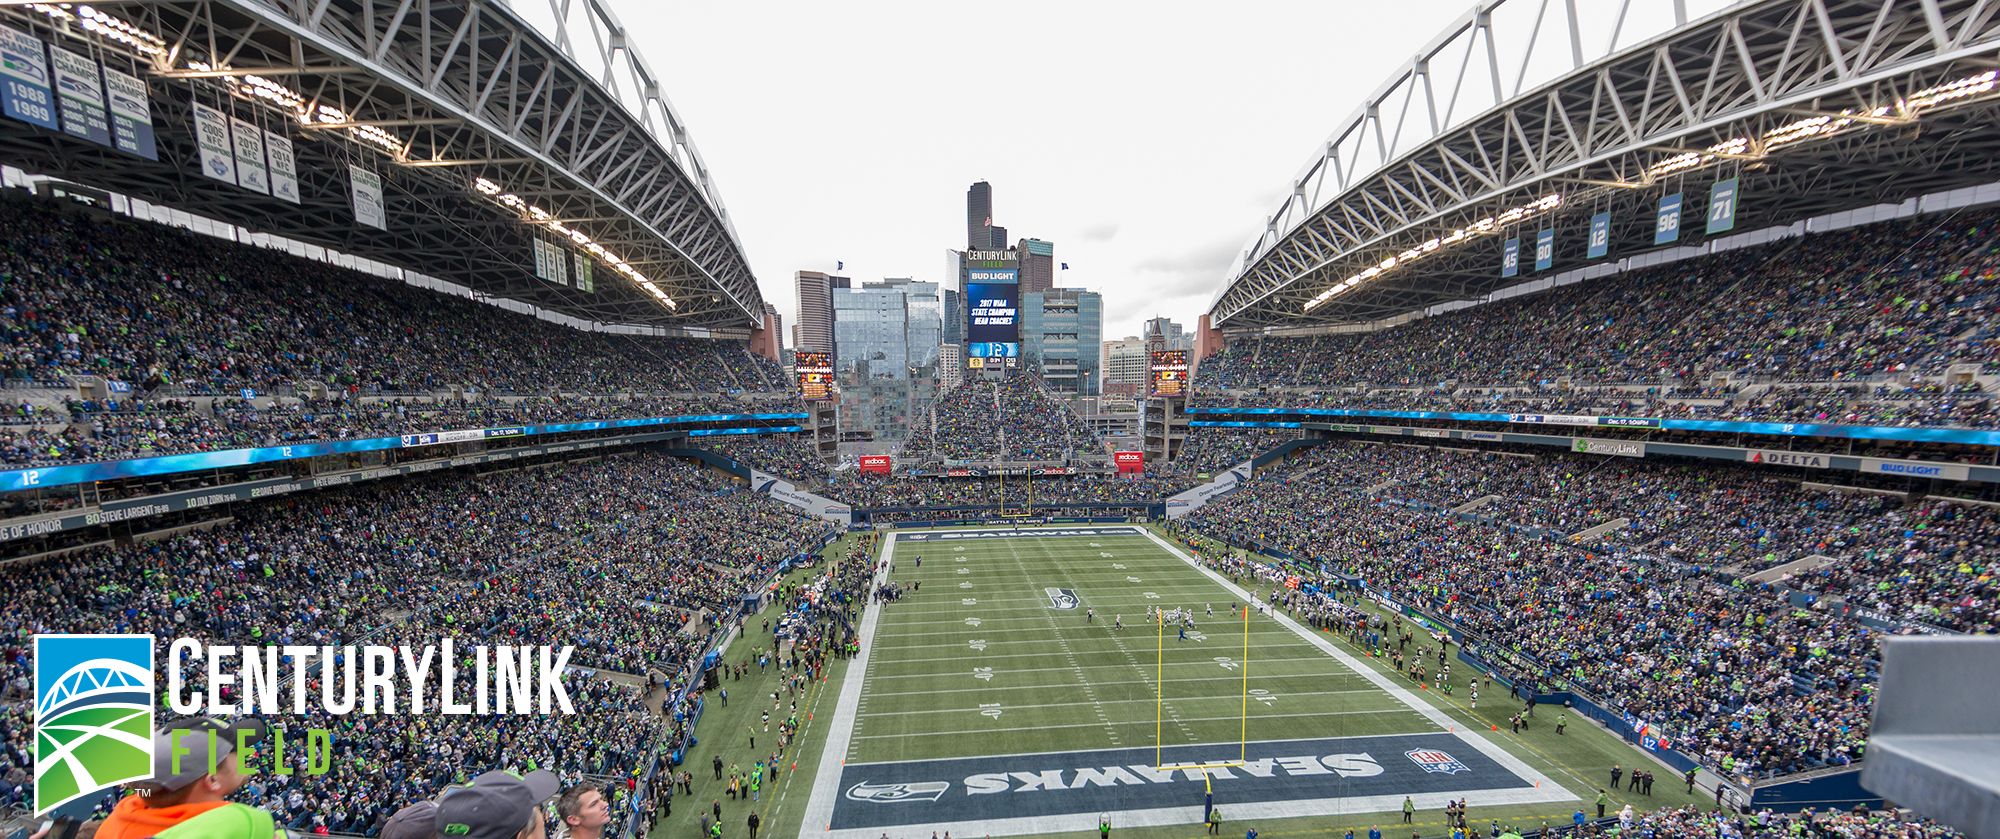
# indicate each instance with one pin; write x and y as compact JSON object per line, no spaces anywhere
{"x":1170,"y":334}
{"x":886,"y":337}
{"x":979,"y":216}
{"x":1038,"y":265}
{"x":1125,"y":363}
{"x":814,"y":330}
{"x":1060,"y":332}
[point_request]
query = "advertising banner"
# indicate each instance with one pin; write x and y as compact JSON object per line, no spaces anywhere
{"x":131,"y":115}
{"x":1916,"y":469}
{"x":1620,"y":448}
{"x":1129,"y":463}
{"x":80,"y":96}
{"x":1773,"y":457}
{"x":875,"y":464}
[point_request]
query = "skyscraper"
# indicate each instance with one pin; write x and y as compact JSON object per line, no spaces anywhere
{"x":979,"y":216}
{"x":814,"y":330}
{"x":886,"y":337}
{"x":1038,"y":265}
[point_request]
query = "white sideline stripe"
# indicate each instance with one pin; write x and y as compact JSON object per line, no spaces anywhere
{"x":1229,"y":696}
{"x":1545,"y":786}
{"x":990,"y":688}
{"x":1230,"y":718}
{"x":840,"y":731}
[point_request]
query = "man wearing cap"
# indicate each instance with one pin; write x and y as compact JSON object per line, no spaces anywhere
{"x":497,"y":805}
{"x":183,"y":787}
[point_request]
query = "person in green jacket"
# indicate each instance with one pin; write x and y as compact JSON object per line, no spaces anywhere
{"x":1409,"y":809}
{"x":1215,"y":821}
{"x":1603,"y":798}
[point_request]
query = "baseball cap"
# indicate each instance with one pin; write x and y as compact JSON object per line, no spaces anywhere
{"x":495,"y":805}
{"x":192,"y":736}
{"x":417,"y":821}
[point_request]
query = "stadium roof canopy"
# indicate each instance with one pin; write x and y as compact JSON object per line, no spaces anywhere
{"x":1527,"y":115}
{"x":489,"y":124}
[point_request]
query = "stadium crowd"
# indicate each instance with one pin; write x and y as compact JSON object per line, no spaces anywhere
{"x":1735,"y":672}
{"x":1013,"y":419}
{"x":1876,"y":315}
{"x":183,"y":327}
{"x":632,"y":560}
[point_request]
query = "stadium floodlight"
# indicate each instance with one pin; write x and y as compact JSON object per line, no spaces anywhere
{"x":1160,"y":705}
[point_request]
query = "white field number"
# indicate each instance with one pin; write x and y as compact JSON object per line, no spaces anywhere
{"x":989,"y":709}
{"x":984,"y":674}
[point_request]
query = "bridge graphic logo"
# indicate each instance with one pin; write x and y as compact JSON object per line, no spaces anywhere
{"x":93,"y":714}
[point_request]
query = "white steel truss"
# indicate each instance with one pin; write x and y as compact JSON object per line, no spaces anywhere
{"x":1591,"y":101}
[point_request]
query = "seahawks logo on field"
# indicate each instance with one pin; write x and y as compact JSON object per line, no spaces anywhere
{"x":916,"y":791}
{"x":1061,"y":598}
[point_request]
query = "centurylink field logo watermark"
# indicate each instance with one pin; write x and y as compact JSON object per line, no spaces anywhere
{"x":95,"y":698}
{"x":93,"y":714}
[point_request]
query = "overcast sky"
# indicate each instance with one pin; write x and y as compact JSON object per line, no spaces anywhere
{"x":1148,"y":141}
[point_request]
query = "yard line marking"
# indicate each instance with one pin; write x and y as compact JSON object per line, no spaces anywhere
{"x":1231,"y":718}
{"x":1230,"y":697}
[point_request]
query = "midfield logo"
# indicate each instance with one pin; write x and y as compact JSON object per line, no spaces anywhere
{"x":1061,"y":598}
{"x":93,"y":714}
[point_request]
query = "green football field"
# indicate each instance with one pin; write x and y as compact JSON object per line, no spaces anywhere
{"x":990,"y":701}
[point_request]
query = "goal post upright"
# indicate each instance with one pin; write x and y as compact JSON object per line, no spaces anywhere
{"x":1160,"y":700}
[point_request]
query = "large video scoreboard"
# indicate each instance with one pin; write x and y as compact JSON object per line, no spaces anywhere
{"x":992,"y":307}
{"x":815,"y":371}
{"x":1169,"y":373}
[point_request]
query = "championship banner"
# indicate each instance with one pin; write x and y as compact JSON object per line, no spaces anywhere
{"x":1667,"y":224}
{"x":585,"y":281}
{"x":211,"y":132}
{"x":1130,"y":463}
{"x":131,"y":116}
{"x":1545,"y":249}
{"x":367,"y":188}
{"x":284,"y":166}
{"x":1722,"y":206}
{"x":558,"y":264}
{"x":1600,"y":235}
{"x":541,"y":249}
{"x":251,"y":173}
{"x":1510,"y":258}
{"x":24,"y":79}
{"x":80,"y":96}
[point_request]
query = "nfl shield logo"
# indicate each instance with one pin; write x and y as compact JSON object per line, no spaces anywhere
{"x":1433,"y":760}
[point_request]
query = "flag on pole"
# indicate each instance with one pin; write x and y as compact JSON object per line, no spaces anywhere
{"x":839,"y":265}
{"x":1065,"y":266}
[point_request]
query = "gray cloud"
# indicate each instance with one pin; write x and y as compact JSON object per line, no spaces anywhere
{"x":1100,"y":232}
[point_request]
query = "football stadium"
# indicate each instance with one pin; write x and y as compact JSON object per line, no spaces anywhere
{"x":1597,"y":436}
